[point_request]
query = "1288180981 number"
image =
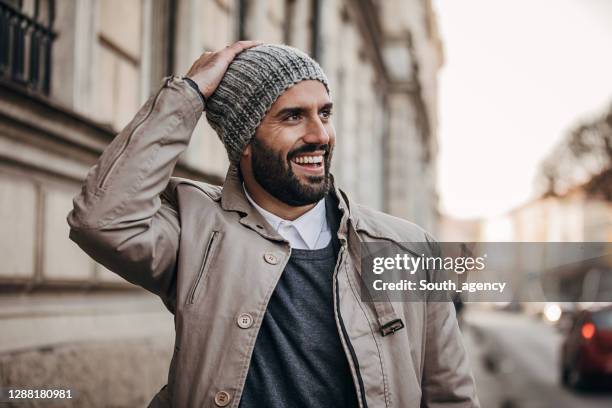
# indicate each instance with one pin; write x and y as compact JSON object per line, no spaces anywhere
{"x":19,"y":393}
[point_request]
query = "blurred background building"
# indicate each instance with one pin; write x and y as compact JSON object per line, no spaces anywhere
{"x":522,"y":359}
{"x":73,"y":73}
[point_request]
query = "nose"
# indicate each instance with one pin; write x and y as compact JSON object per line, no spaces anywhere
{"x":317,"y":132}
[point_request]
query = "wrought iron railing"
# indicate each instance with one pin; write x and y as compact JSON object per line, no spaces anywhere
{"x":26,"y":40}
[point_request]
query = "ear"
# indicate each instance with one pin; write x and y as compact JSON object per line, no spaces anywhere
{"x":245,"y":162}
{"x":247,"y":151}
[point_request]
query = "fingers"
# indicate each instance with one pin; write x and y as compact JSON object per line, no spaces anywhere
{"x":239,"y":46}
{"x":210,"y":67}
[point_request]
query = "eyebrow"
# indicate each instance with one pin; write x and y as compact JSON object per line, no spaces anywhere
{"x":293,"y":110}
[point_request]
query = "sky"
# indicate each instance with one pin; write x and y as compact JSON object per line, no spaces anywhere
{"x":518,"y":74}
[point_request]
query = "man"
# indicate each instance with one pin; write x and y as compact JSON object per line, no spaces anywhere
{"x":262,"y":274}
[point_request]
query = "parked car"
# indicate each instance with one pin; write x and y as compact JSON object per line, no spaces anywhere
{"x":586,"y":353}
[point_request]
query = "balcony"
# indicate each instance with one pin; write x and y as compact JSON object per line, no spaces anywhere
{"x":26,"y":41}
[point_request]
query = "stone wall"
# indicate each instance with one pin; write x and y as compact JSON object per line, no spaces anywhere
{"x":95,"y":372}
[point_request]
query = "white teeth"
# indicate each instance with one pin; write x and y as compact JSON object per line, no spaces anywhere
{"x":308,"y":159}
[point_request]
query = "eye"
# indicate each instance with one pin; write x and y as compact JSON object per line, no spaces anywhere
{"x":292,"y":116}
{"x":326,"y":114}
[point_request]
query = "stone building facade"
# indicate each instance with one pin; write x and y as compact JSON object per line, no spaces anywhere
{"x":74,"y":72}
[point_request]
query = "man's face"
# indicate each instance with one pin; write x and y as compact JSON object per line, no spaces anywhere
{"x":292,"y":148}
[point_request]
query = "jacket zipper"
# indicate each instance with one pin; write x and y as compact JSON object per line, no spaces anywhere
{"x":192,"y":292}
{"x":349,"y":352}
{"x":111,"y":167}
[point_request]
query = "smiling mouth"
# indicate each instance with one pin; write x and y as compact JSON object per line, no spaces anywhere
{"x":309,"y":161}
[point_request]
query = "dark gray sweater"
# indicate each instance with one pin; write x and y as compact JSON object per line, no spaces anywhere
{"x":298,"y":360}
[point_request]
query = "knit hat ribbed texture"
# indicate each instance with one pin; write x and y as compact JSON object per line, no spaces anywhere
{"x":252,"y":83}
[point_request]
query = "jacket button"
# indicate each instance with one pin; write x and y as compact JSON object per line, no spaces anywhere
{"x":222,"y":398}
{"x":245,"y":320}
{"x":270,"y":258}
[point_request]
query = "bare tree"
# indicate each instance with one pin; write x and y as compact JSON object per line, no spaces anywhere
{"x":584,"y":156}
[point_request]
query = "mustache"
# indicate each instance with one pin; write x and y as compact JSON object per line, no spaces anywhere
{"x":309,"y":148}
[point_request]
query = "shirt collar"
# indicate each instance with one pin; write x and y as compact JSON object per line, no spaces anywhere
{"x":309,"y":225}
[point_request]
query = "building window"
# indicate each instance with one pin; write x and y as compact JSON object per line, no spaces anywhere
{"x":26,"y":40}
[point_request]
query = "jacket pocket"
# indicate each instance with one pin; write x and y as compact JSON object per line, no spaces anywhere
{"x":207,"y":256}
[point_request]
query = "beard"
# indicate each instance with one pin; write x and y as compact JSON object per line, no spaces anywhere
{"x":274,"y":173}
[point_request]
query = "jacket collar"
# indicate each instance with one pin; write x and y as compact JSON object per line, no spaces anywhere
{"x":234,"y":199}
{"x":232,"y":196}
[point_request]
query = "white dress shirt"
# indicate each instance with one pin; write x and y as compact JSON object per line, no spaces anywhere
{"x":309,"y":231}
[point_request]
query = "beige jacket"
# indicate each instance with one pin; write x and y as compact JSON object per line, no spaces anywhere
{"x":214,"y":262}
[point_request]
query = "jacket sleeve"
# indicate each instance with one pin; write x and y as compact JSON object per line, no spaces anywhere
{"x":447,"y":378}
{"x":123,"y":216}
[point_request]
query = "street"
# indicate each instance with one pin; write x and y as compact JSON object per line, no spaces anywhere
{"x":515,"y":360}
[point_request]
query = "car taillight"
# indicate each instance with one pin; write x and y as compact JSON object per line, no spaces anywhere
{"x":588,"y":331}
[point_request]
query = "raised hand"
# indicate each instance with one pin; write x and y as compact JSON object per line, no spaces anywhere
{"x":208,"y":70}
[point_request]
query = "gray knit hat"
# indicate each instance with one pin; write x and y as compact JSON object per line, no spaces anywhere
{"x":252,"y":83}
